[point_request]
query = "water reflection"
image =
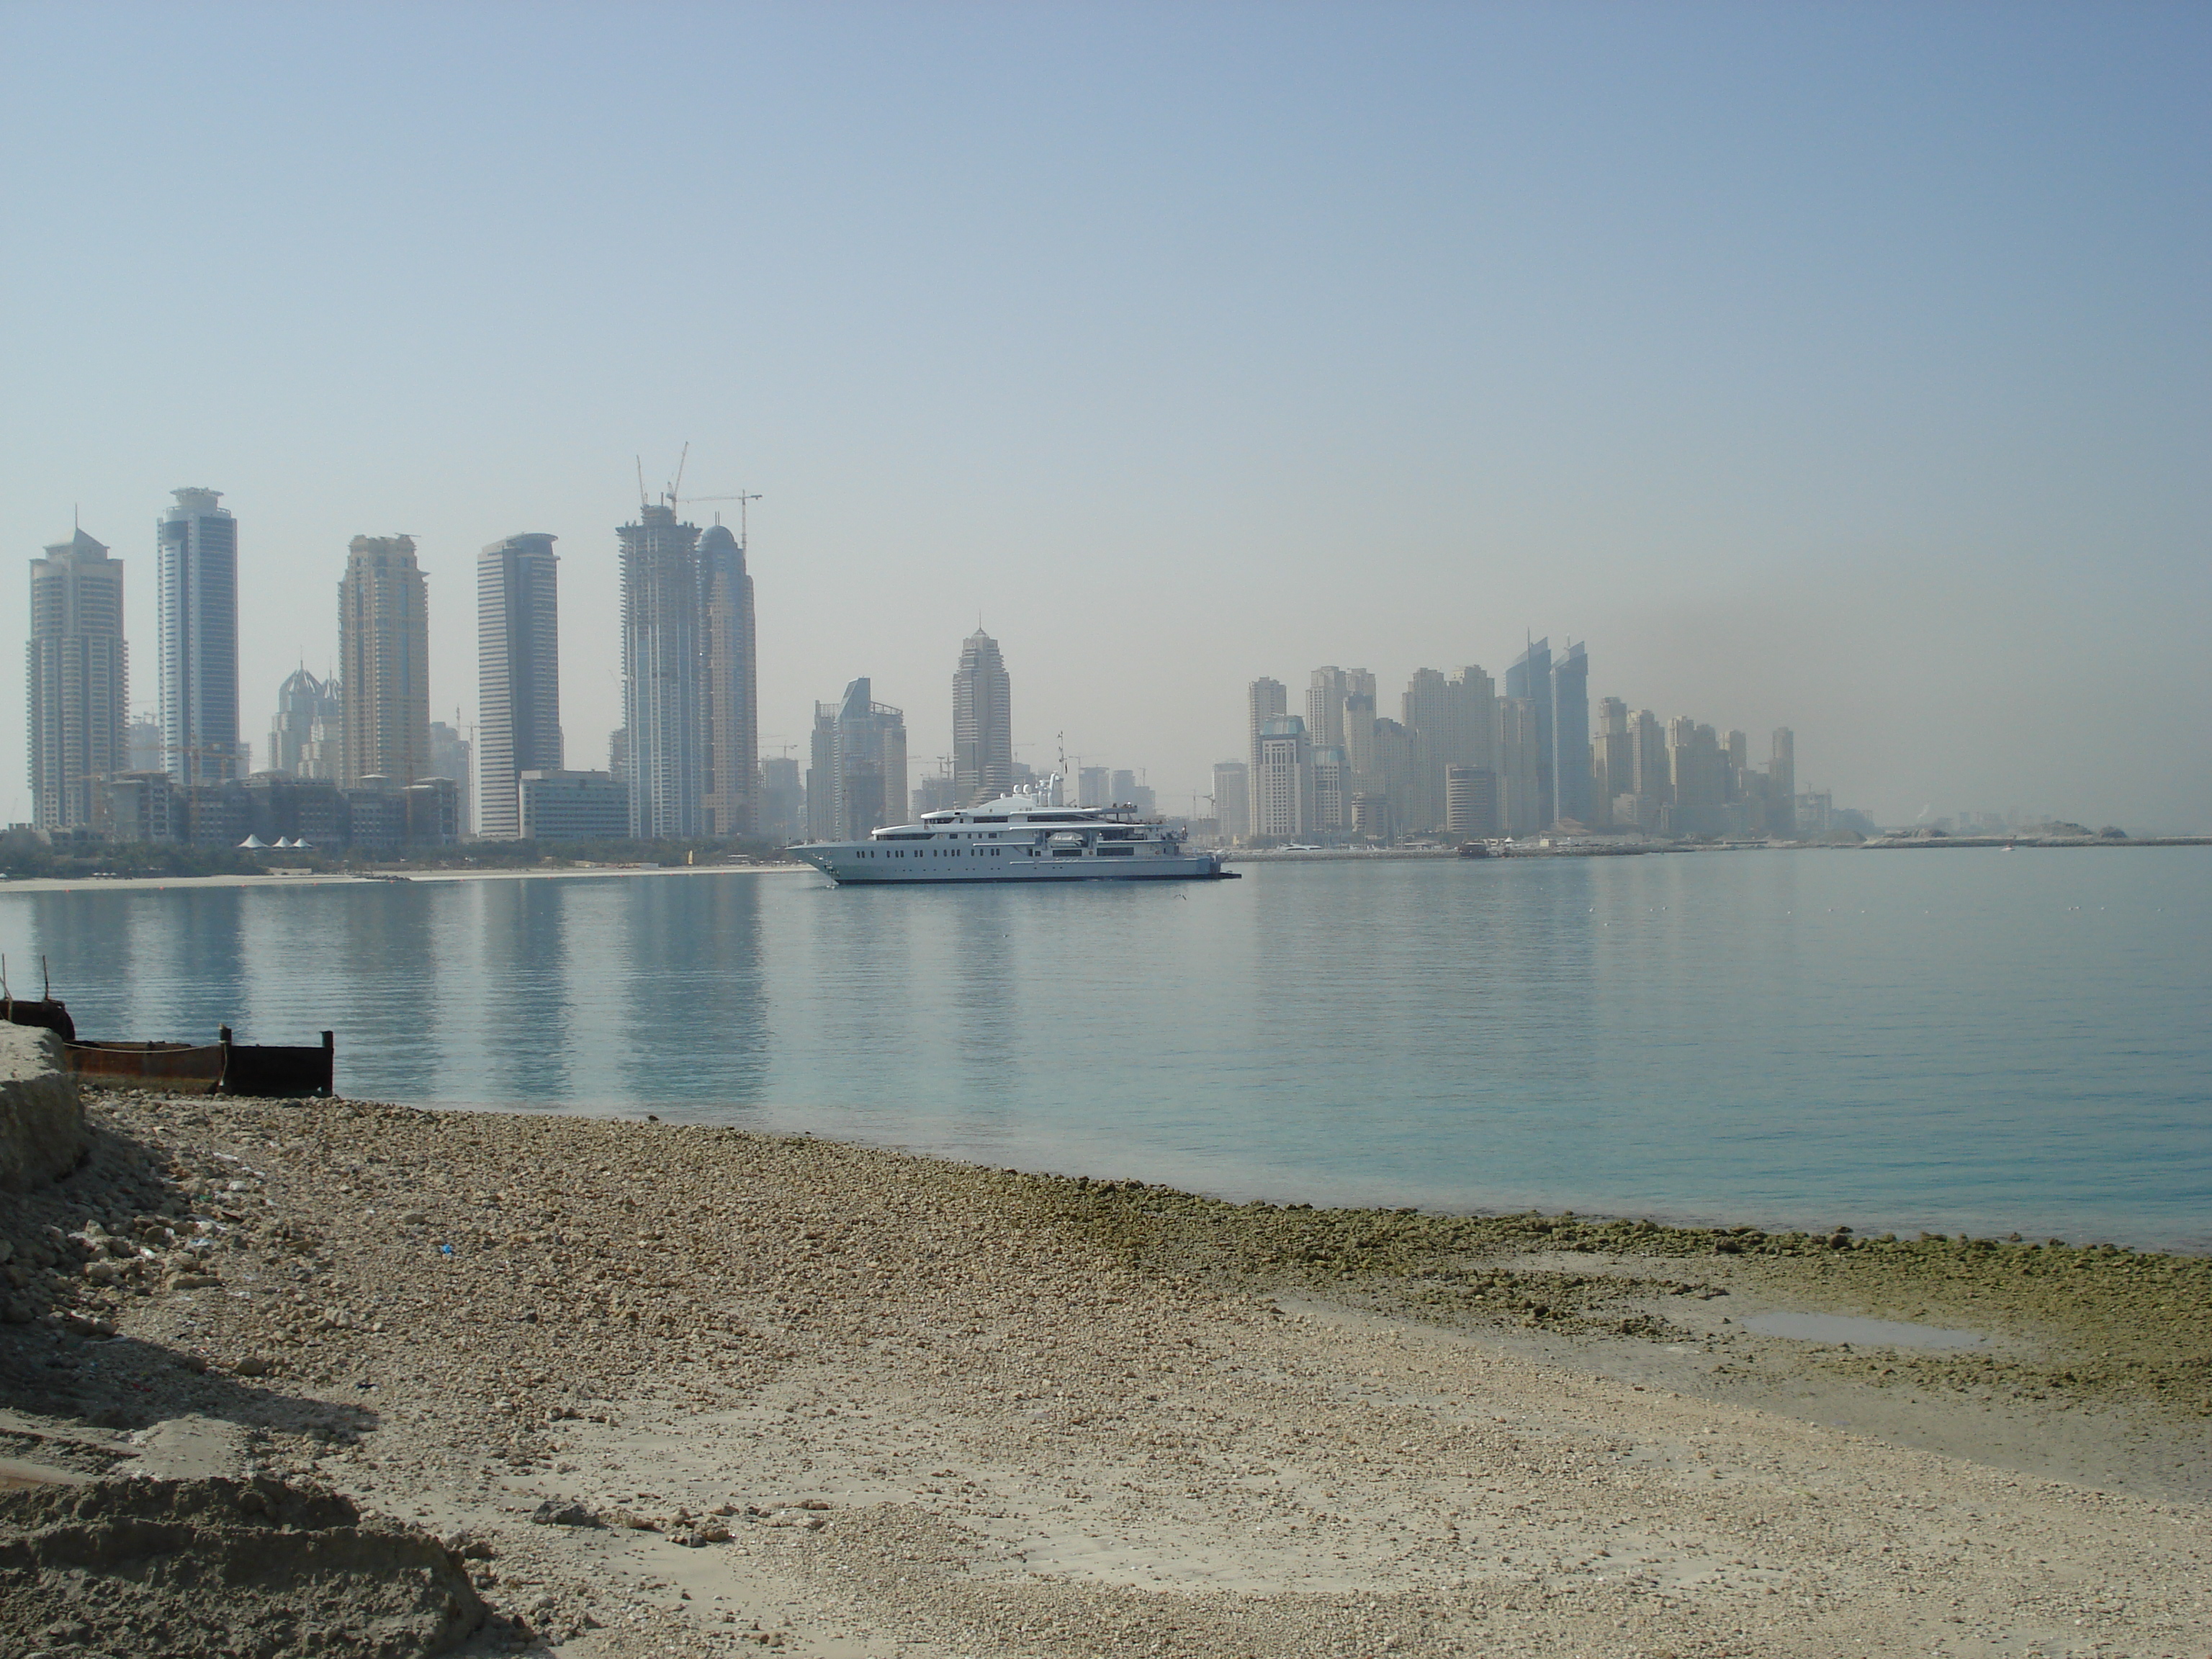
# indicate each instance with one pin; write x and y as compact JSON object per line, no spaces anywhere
{"x":693,"y":985}
{"x":1883,"y":1039}
{"x":529,"y":1012}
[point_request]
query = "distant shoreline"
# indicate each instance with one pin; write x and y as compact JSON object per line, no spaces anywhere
{"x":1244,"y":856}
{"x":352,"y":878}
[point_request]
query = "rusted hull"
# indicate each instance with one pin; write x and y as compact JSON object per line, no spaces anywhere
{"x":223,"y":1067}
{"x":47,"y":1012}
{"x":171,"y":1067}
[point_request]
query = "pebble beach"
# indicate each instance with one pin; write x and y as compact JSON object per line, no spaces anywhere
{"x":672,"y":1389}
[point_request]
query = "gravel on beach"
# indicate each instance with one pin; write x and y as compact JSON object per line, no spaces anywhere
{"x":671,"y":1390}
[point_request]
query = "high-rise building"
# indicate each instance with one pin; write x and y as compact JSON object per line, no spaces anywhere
{"x":450,"y":756}
{"x":1395,"y":780}
{"x":1264,"y":700}
{"x":79,"y":675}
{"x":1332,"y":796}
{"x":1654,"y":771}
{"x":1570,"y":738}
{"x":729,"y":684}
{"x":384,"y":662}
{"x":518,"y":675}
{"x":1519,"y":768}
{"x":1122,"y":788}
{"x":1233,"y":799}
{"x":1782,"y":774}
{"x":1282,"y":788}
{"x":198,"y":623}
{"x":783,"y":799}
{"x":1471,"y":801}
{"x":1453,"y":723}
{"x":858,"y":778}
{"x":307,"y":734}
{"x":1613,"y":760}
{"x":1530,"y":680}
{"x":934,"y":792}
{"x":663,"y":637}
{"x":1325,"y":690}
{"x":1094,"y":785}
{"x":1359,"y":738}
{"x":144,"y":738}
{"x":982,"y":723}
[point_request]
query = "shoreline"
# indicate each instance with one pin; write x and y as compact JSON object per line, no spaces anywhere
{"x":1092,"y":1162}
{"x":874,"y":1402}
{"x":349,"y":878}
{"x":1242,"y":855}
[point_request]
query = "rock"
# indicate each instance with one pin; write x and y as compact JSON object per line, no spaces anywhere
{"x":555,"y":1513}
{"x":253,"y":1365}
{"x":201,"y":1568}
{"x":42,"y":1135}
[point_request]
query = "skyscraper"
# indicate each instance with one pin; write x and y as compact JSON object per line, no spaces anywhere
{"x":198,"y":623}
{"x":306,"y":708}
{"x":663,"y":637}
{"x":451,"y":757}
{"x":857,"y":781}
{"x":729,"y":684}
{"x":1530,"y":680}
{"x":1452,"y":723}
{"x":518,"y":675}
{"x":1570,"y":738}
{"x":983,"y":724}
{"x":1282,"y":787}
{"x":384,"y":662}
{"x":80,"y":680}
{"x":1612,"y":759}
{"x":1325,"y":690}
{"x":1264,"y":700}
{"x":1782,"y":775}
{"x":783,"y":799}
{"x":1520,"y":775}
{"x":1232,"y":809}
{"x":1654,"y":772}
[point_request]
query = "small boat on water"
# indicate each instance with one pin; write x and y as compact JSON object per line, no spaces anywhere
{"x":225,"y":1067}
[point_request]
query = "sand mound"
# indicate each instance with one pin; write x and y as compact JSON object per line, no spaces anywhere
{"x":221,"y":1567}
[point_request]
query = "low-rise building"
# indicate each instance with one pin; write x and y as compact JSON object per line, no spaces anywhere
{"x":573,"y":807}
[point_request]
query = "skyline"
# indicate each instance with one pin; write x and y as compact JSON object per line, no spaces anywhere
{"x":1834,"y":367}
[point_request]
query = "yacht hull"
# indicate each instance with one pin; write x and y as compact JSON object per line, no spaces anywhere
{"x":849,"y":871}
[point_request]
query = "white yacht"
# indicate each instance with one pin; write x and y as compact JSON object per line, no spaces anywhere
{"x":1017,"y":838}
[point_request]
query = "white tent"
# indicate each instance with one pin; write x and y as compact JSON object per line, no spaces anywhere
{"x":253,"y":844}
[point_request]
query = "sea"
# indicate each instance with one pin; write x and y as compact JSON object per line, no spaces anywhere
{"x":1974,"y":1041}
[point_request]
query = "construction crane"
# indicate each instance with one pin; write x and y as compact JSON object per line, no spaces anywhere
{"x":742,"y":499}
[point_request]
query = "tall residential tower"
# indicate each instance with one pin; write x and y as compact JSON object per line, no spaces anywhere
{"x":983,"y":724}
{"x":384,"y":662}
{"x":729,"y":687}
{"x":663,"y":652}
{"x":80,"y":680}
{"x":198,"y":621}
{"x":518,"y":675}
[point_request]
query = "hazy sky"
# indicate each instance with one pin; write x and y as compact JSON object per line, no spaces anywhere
{"x":1842,"y":366}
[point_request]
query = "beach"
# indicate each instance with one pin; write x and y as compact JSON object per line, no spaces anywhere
{"x":678,"y":1389}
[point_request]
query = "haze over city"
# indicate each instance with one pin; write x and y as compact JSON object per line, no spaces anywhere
{"x":1834,"y":367}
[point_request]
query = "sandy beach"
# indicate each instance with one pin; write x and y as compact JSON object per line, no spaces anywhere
{"x":667,"y":1389}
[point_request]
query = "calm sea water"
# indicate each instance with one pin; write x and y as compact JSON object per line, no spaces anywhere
{"x":1975,"y":1040}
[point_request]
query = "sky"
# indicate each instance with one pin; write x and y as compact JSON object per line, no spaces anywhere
{"x":1840,"y":367}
